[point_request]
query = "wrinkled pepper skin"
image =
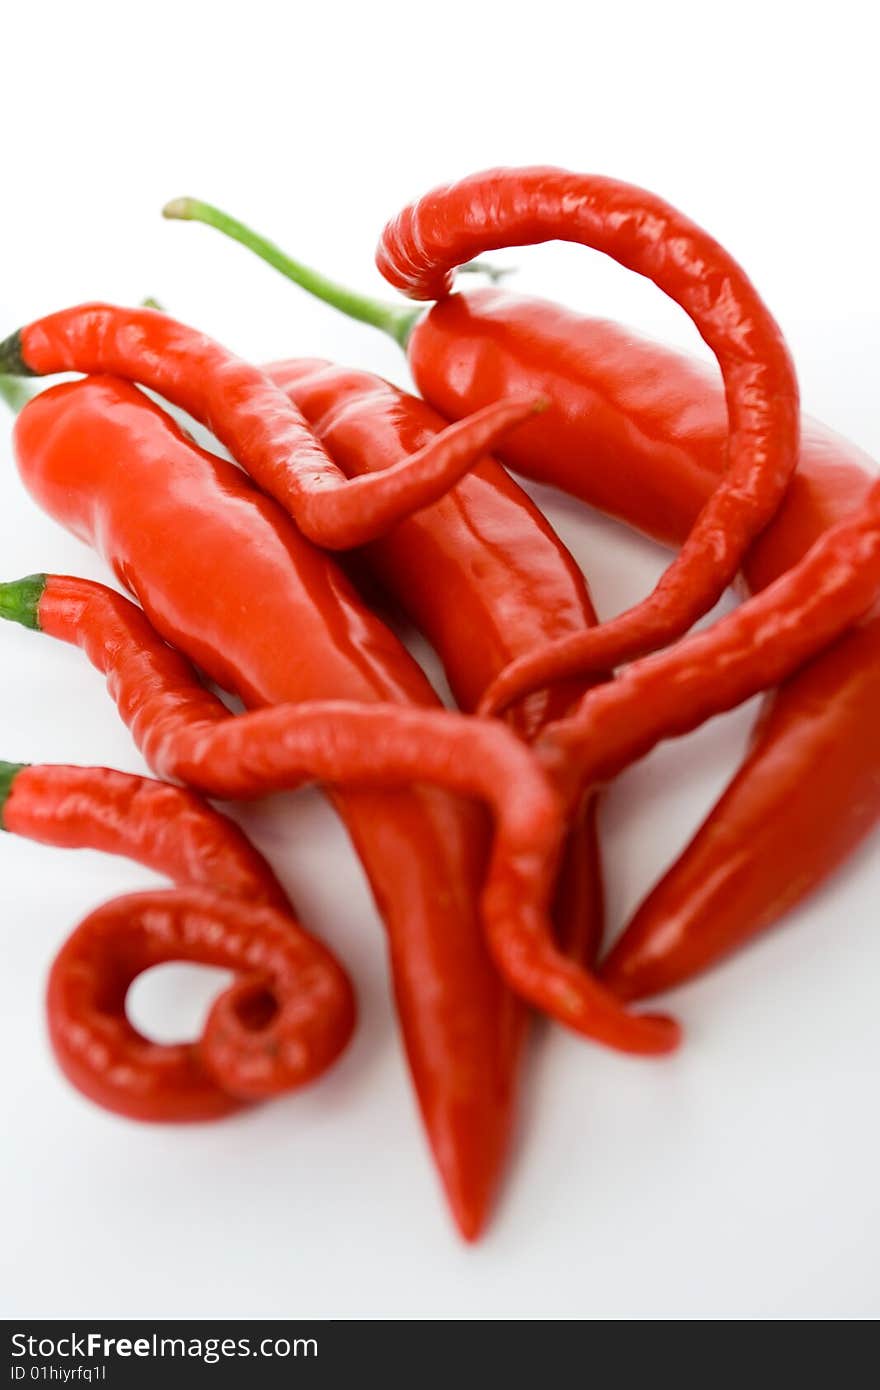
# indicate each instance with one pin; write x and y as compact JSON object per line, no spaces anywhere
{"x":282,"y":1021}
{"x":225,"y":576}
{"x":639,"y":431}
{"x":481,"y":573}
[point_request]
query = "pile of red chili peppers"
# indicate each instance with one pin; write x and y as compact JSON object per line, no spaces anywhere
{"x":476,"y":828}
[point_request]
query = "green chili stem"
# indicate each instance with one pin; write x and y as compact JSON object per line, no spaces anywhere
{"x":396,"y":320}
{"x":8,"y":774}
{"x":20,"y":600}
{"x":494,"y":273}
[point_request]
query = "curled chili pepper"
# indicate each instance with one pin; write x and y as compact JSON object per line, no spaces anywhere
{"x":423,"y":245}
{"x":259,"y":425}
{"x":280,"y":1024}
{"x":185,"y":732}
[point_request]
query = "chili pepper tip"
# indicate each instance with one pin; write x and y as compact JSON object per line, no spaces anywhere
{"x":20,"y":600}
{"x":8,"y":774}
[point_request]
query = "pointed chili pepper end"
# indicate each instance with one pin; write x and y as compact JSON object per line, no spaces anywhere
{"x":20,"y":600}
{"x":12,"y":361}
{"x":470,"y":1149}
{"x":632,"y":973}
{"x":8,"y":774}
{"x":668,"y":1032}
{"x":471,"y":1206}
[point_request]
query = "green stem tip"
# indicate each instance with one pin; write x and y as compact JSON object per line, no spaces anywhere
{"x":494,"y":273}
{"x":396,"y":320}
{"x":20,"y":600}
{"x":8,"y":774}
{"x":12,"y":361}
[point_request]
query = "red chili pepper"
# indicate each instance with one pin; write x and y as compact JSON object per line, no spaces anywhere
{"x":282,"y":1022}
{"x":104,"y":460}
{"x":256,"y":421}
{"x":187,"y":733}
{"x":806,"y":795}
{"x":481,"y":573}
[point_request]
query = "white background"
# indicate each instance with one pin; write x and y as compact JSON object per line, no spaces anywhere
{"x":738,"y":1180}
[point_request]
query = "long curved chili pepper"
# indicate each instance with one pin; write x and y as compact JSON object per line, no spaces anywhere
{"x":639,"y":430}
{"x":280,"y":1024}
{"x":259,"y":425}
{"x":226,"y":577}
{"x":185,"y":732}
{"x":481,"y":573}
{"x":423,"y":245}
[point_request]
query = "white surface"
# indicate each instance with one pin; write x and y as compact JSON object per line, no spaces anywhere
{"x":738,"y":1180}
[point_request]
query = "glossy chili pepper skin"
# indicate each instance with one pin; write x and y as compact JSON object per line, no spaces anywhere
{"x":224,"y":575}
{"x":282,"y":1022}
{"x":186,"y":732}
{"x":759,"y":645}
{"x":806,"y":795}
{"x":772,"y":635}
{"x":639,"y":431}
{"x":634,"y":428}
{"x":259,"y":425}
{"x":418,"y":253}
{"x":481,"y":573}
